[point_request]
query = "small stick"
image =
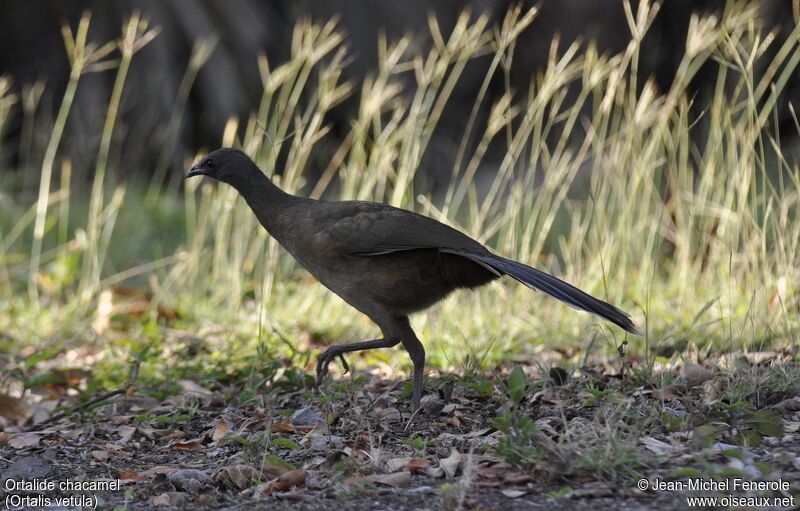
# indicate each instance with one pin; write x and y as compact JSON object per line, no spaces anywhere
{"x":79,"y":408}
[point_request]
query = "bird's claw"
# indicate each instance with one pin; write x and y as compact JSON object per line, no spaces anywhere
{"x":325,"y":360}
{"x":344,"y":363}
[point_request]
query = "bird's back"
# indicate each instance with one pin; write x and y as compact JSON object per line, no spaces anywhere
{"x":373,"y":254}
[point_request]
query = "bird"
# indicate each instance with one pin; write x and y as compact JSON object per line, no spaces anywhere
{"x":384,"y":261}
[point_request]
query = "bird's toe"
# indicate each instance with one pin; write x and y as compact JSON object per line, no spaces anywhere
{"x":322,"y":364}
{"x":344,"y":363}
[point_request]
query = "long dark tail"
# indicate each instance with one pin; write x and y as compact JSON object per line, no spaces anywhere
{"x":556,"y":288}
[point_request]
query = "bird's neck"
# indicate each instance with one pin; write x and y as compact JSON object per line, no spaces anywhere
{"x":267,"y":201}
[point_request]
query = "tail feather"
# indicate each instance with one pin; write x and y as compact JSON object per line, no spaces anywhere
{"x":556,"y":288}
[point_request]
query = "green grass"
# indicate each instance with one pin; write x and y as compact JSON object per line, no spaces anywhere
{"x":684,"y":216}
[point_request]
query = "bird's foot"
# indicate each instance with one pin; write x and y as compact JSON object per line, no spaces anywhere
{"x":325,"y":360}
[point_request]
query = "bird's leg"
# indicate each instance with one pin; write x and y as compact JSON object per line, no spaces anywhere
{"x":417,"y":354}
{"x":339,"y":350}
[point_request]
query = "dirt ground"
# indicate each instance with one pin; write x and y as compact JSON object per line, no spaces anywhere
{"x":354,"y":448}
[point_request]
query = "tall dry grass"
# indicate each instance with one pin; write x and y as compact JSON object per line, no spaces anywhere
{"x":684,"y":215}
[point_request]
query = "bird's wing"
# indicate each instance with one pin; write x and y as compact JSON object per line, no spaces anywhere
{"x":367,"y":229}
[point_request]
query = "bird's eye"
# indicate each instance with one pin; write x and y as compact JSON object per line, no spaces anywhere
{"x":211,"y":163}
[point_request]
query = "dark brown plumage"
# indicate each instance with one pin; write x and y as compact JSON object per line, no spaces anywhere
{"x":384,"y":261}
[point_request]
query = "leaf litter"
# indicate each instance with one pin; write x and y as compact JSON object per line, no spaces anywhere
{"x":201,"y":448}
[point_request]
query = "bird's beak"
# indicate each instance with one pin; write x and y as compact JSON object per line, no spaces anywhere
{"x":197,"y":170}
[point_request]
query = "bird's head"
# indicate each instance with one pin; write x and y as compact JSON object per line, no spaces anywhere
{"x":230,"y":166}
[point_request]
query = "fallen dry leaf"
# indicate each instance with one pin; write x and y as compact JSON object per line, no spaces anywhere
{"x":286,"y":481}
{"x":397,"y":464}
{"x":189,"y":479}
{"x":760,"y":357}
{"x":170,"y":498}
{"x":454,"y":421}
{"x":282,"y":427}
{"x":161,"y":500}
{"x":435,"y":472}
{"x":126,"y":432}
{"x":237,"y":476}
{"x":450,"y":464}
{"x":307,"y":417}
{"x":449,"y":408}
{"x":175,"y":435}
{"x":733,"y":362}
{"x":557,"y":396}
{"x":222,"y":427}
{"x":189,"y":445}
{"x":656,"y":446}
{"x":411,"y":464}
{"x":494,"y":470}
{"x":147,"y":432}
{"x":23,"y":440}
{"x":130,"y":475}
{"x":102,"y":456}
{"x":14,"y":410}
{"x":273,"y":470}
{"x":112,"y":447}
{"x":417,"y":464}
{"x":190,"y":387}
{"x":696,"y":374}
{"x":387,"y":414}
{"x":517,"y":478}
{"x":318,"y":440}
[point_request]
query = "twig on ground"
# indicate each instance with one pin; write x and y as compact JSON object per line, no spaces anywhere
{"x":78,"y":408}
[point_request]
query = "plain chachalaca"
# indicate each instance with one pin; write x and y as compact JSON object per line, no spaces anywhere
{"x":384,"y":261}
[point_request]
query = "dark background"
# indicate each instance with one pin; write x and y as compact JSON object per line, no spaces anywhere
{"x":31,"y":48}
